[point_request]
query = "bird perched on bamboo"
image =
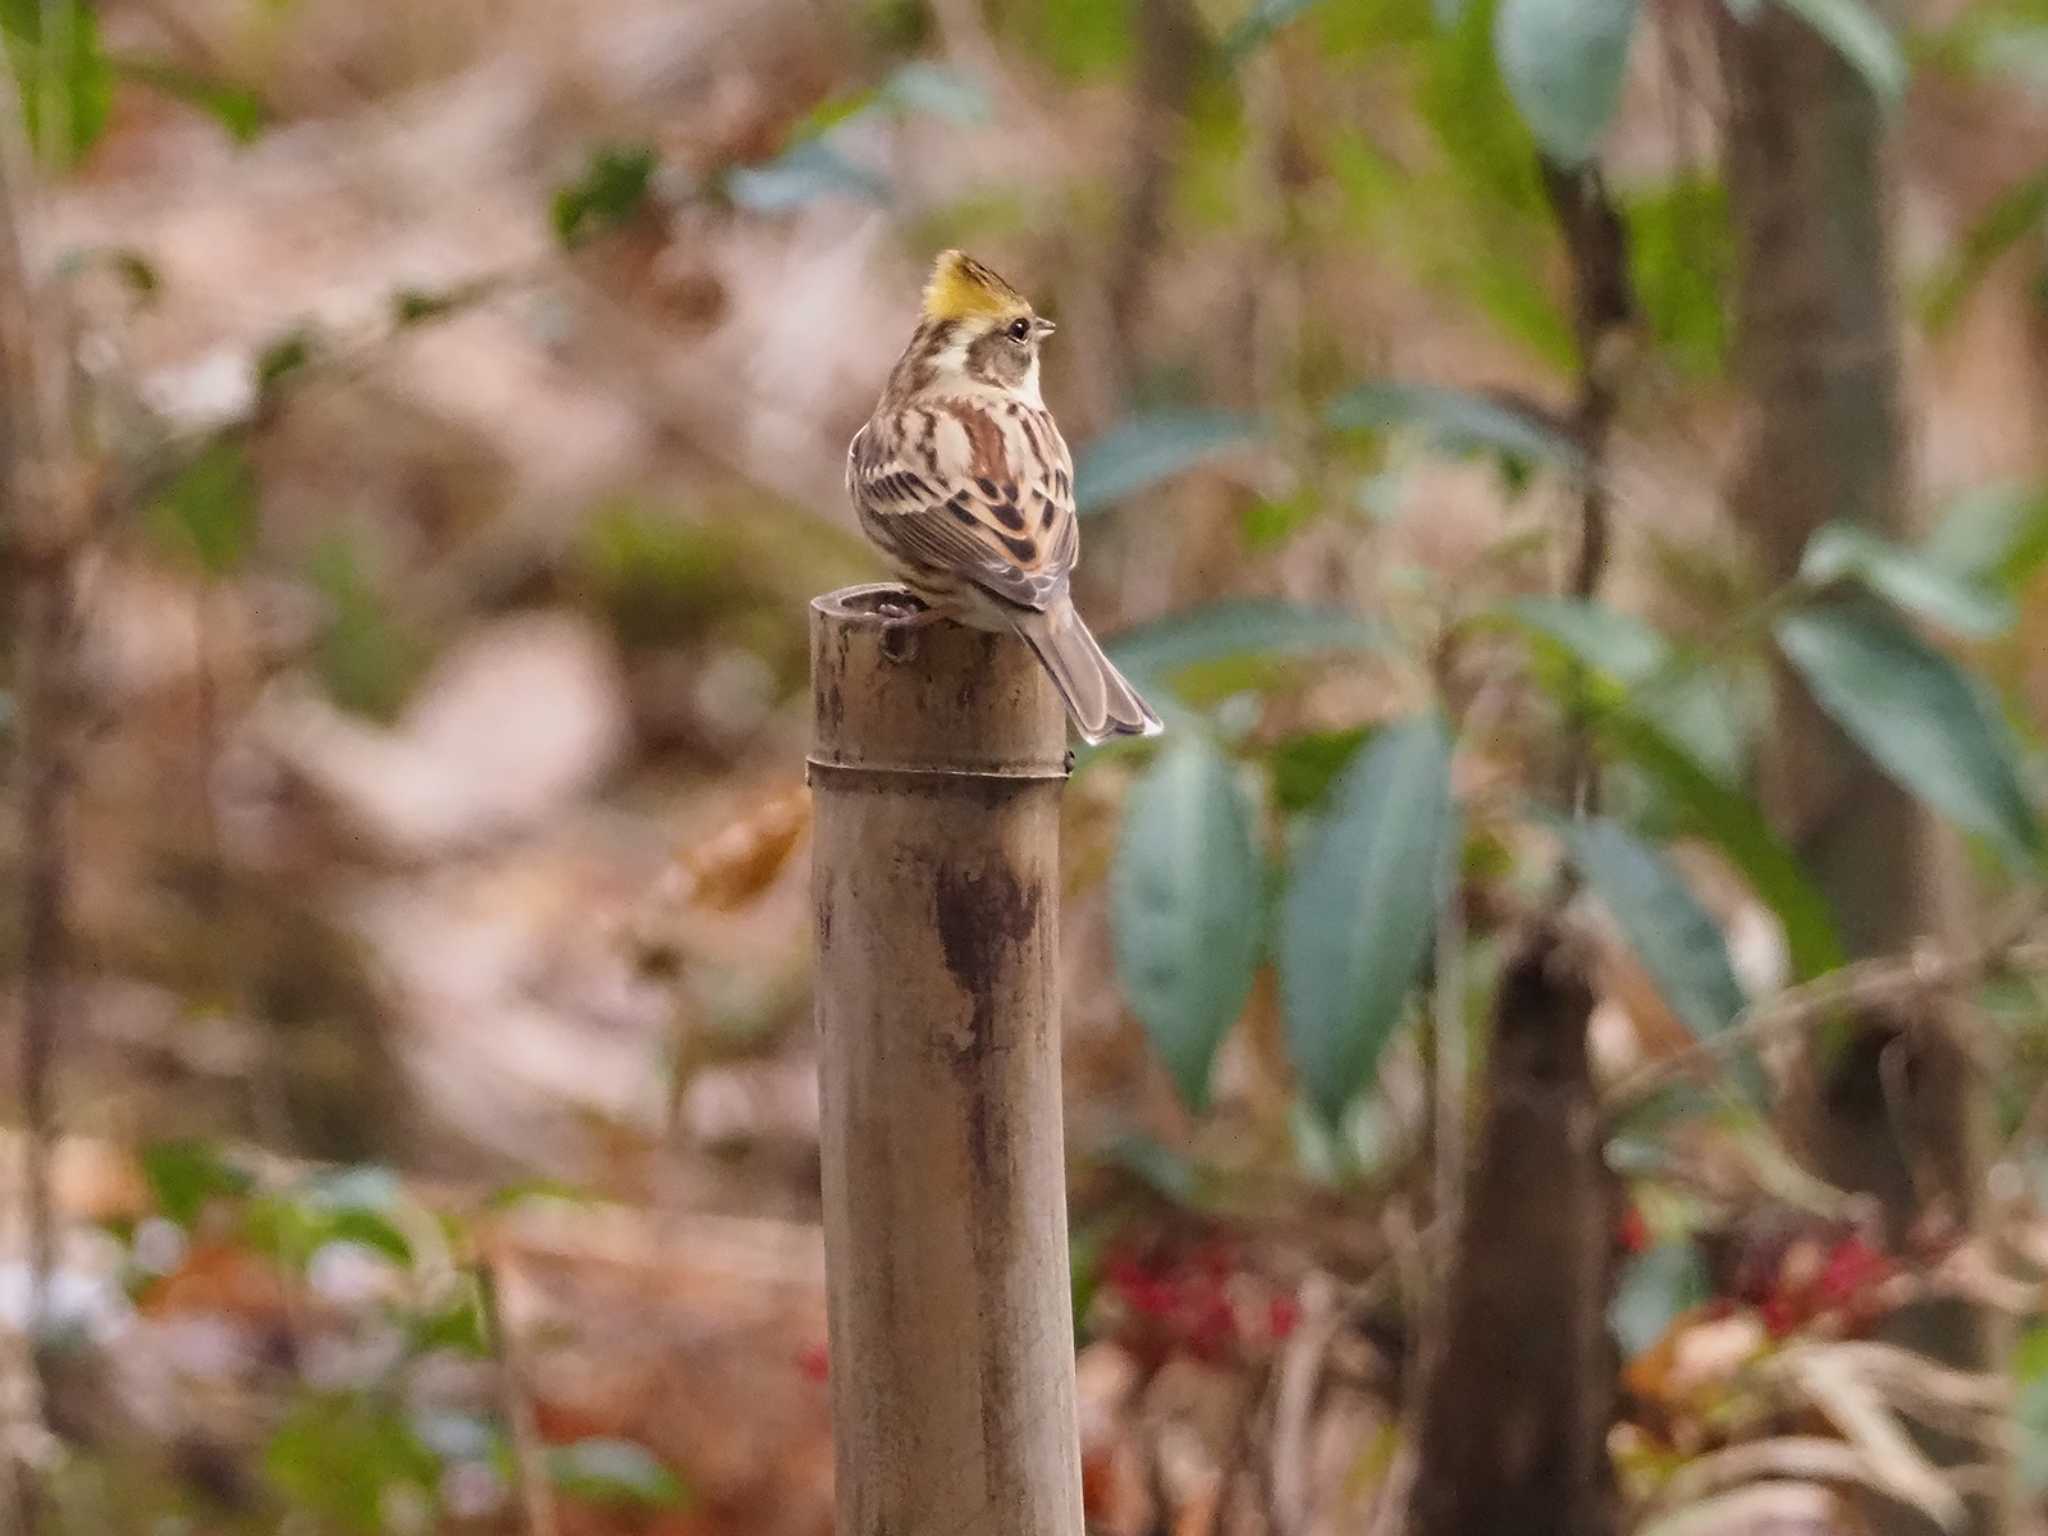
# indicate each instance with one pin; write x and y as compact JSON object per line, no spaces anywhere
{"x":963,"y":481}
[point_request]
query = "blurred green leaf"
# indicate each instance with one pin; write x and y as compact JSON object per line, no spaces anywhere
{"x":614,"y":1472}
{"x":136,"y":272}
{"x":1906,"y":577}
{"x":1258,"y":24}
{"x":1730,"y":819}
{"x":1628,"y":660}
{"x":359,"y":1205}
{"x":1466,"y":103}
{"x":457,"y":1324}
{"x":418,"y":306}
{"x":2019,"y":212}
{"x":1997,"y":535}
{"x":1081,"y":39}
{"x":1667,"y":928}
{"x":337,"y":1456}
{"x":1681,"y":245}
{"x":283,"y":357}
{"x":236,"y":108}
{"x":929,"y":88}
{"x":65,"y":80}
{"x":210,"y":509}
{"x":1268,"y":524}
{"x":1563,"y":62}
{"x":1920,"y":717}
{"x":2030,"y":1414}
{"x":1454,"y":420}
{"x":367,"y":659}
{"x":1167,"y":1173}
{"x":1617,"y":645}
{"x":1859,"y":34}
{"x":1238,"y":629}
{"x":1655,"y":1287}
{"x":613,"y":188}
{"x":801,"y":174}
{"x":1361,"y":905}
{"x":1184,"y":908}
{"x":1304,"y":766}
{"x":185,"y":1176}
{"x":1139,"y":453}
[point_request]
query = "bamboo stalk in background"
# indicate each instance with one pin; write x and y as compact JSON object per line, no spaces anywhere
{"x":936,"y":780}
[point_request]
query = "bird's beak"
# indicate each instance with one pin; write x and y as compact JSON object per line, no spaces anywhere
{"x":1042,"y":327}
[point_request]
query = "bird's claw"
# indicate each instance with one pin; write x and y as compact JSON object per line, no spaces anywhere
{"x":901,"y":623}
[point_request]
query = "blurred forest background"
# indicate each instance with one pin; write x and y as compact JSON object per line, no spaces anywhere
{"x":1555,"y":1033}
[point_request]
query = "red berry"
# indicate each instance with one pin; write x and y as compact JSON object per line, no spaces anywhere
{"x":1283,"y":1316}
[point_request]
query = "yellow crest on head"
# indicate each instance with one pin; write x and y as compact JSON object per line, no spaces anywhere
{"x":960,"y":286}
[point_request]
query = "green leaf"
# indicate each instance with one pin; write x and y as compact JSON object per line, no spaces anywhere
{"x":65,"y":80}
{"x":1257,"y":26}
{"x":1856,"y":31}
{"x":1563,"y":61}
{"x":1141,"y":452}
{"x":184,"y":1177}
{"x":1605,"y":640}
{"x":457,"y":1324}
{"x":337,"y":1456}
{"x":1919,"y":716}
{"x":1630,"y":662}
{"x":236,"y":108}
{"x":1667,"y":928}
{"x":1681,"y":246}
{"x":1235,"y":631}
{"x":613,"y":189}
{"x":802,"y":174}
{"x":1304,"y":766}
{"x":1908,"y":578}
{"x":1454,"y":420}
{"x":368,"y":660}
{"x":614,"y":1472}
{"x":1081,"y":39}
{"x":210,"y":509}
{"x":1729,"y":819}
{"x":1654,"y":1289}
{"x":1184,"y":908}
{"x":2019,"y":212}
{"x":1997,"y":535}
{"x":935,"y":91}
{"x":288,"y":355}
{"x":1361,"y":905}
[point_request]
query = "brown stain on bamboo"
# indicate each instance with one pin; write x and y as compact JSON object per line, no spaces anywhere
{"x":981,"y":919}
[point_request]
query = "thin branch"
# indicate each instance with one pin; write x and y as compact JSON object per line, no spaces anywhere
{"x":1886,"y":983}
{"x":529,"y":1456}
{"x":1604,"y":309}
{"x":43,"y":493}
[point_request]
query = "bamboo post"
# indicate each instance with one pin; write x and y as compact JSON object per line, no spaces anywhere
{"x":936,"y":781}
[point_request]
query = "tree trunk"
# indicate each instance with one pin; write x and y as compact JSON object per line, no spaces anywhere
{"x":1897,"y":1115}
{"x":1518,"y":1401}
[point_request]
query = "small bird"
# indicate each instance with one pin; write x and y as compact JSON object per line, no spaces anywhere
{"x":961,"y":479}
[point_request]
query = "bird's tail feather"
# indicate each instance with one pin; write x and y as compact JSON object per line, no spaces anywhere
{"x":1100,"y":701}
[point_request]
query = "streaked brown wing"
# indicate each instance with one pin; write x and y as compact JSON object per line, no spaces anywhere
{"x":984,"y":488}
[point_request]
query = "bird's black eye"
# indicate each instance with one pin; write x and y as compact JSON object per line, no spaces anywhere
{"x":1019,"y":328}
